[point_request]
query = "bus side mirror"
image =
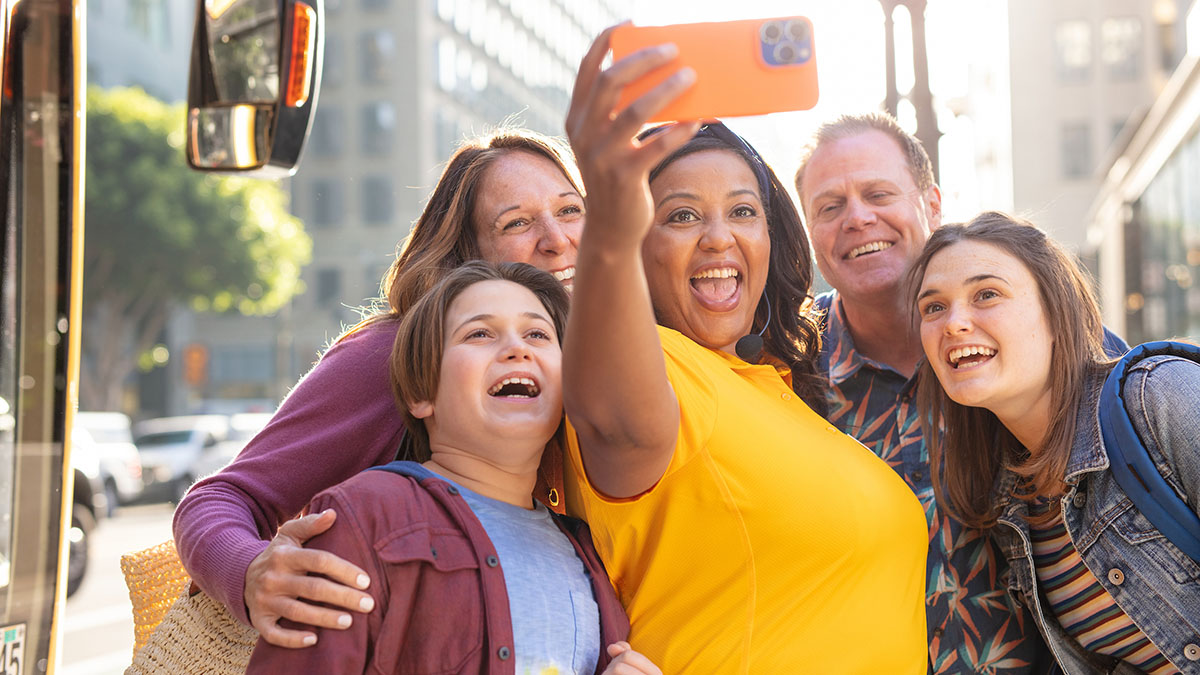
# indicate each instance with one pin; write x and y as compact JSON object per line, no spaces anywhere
{"x":252,"y":89}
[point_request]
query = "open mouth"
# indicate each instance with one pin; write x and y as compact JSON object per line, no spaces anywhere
{"x":967,"y":357}
{"x":716,"y":286}
{"x":867,"y":249}
{"x":515,"y":387}
{"x":565,"y":276}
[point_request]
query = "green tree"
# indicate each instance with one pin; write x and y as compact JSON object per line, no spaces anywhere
{"x":159,"y":234}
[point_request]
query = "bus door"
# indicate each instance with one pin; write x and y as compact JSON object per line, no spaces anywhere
{"x":40,"y":243}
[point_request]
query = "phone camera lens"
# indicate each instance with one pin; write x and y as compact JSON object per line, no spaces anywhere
{"x":798,"y":30}
{"x":785,"y":53}
{"x":771,"y":32}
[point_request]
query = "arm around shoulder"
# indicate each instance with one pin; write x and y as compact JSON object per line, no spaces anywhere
{"x":339,"y":420}
{"x":335,"y":651}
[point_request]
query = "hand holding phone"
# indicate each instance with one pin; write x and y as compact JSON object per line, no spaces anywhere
{"x":747,"y":67}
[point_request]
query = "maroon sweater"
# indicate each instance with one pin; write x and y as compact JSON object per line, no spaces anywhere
{"x":440,"y":599}
{"x":339,"y":419}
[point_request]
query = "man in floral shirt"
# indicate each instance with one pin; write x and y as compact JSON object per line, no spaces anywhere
{"x":867,"y":191}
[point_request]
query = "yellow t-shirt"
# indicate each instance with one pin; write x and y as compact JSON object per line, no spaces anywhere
{"x":774,"y":543}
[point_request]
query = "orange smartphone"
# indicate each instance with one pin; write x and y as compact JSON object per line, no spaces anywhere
{"x":746,"y":67}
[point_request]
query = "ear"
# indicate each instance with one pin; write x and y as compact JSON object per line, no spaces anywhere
{"x":421,"y":409}
{"x":933,"y":206}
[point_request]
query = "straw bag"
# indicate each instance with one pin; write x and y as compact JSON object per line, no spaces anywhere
{"x":175,"y":629}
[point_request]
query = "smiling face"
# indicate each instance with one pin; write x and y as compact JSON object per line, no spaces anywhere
{"x":866,"y":216}
{"x":500,"y":377}
{"x":527,"y":211}
{"x":707,"y":255}
{"x":985,"y":332}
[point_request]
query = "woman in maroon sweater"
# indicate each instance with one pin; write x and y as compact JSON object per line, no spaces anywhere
{"x":508,"y":197}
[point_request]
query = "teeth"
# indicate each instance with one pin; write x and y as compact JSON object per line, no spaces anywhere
{"x":527,"y":382}
{"x":563,"y":275}
{"x":869,"y":248}
{"x":716,"y":273}
{"x":959,"y":353}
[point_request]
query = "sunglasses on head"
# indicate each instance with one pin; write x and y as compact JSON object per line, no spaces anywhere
{"x":719,"y":131}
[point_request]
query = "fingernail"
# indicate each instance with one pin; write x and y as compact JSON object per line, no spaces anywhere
{"x":685,"y":76}
{"x":668,"y":50}
{"x":344,"y":621}
{"x":310,"y":640}
{"x":366,"y":604}
{"x":363,"y":581}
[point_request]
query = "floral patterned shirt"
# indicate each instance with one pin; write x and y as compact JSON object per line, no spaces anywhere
{"x":974,"y":626}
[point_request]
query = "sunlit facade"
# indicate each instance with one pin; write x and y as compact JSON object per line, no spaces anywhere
{"x":1080,"y":70}
{"x":1145,"y":223}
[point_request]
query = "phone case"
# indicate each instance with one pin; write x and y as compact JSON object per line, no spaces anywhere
{"x":747,"y":67}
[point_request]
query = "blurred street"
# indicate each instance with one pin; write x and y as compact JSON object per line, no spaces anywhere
{"x":97,"y":627}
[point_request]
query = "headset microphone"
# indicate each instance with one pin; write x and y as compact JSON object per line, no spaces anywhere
{"x":749,"y":347}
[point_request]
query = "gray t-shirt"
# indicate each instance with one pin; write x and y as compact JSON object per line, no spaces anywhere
{"x":556,"y":623}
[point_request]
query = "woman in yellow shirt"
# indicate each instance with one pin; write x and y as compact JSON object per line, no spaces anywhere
{"x":742,"y":531}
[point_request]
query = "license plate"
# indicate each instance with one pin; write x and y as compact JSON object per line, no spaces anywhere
{"x":14,"y":650}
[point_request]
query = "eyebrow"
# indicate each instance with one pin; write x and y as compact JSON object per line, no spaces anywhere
{"x":514,"y":207}
{"x":969,"y":280}
{"x":693,"y":196}
{"x":867,"y":185}
{"x":486,"y":317}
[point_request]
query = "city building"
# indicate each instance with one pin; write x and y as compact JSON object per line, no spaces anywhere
{"x":1144,"y":225}
{"x":1080,"y":71}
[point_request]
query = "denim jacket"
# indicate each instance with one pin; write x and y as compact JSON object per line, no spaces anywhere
{"x":1154,"y":582}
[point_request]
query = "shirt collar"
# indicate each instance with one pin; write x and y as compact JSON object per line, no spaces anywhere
{"x":1087,"y":447}
{"x":839,"y":357}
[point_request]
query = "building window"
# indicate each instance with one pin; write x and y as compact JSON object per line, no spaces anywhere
{"x":325,"y":139}
{"x":379,"y":128}
{"x":333,"y":69}
{"x":151,"y":19}
{"x":1076,"y":150}
{"x":245,"y":363}
{"x":378,"y":55}
{"x":1073,"y":50}
{"x":1121,"y":47}
{"x":329,"y":286}
{"x":446,"y":134}
{"x":379,"y":200}
{"x":327,"y":204}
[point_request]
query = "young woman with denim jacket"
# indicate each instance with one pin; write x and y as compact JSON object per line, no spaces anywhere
{"x":1014,"y":367}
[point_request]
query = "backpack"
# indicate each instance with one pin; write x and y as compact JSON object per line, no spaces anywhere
{"x":1129,"y":461}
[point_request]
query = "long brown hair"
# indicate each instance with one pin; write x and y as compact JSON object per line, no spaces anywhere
{"x":416,"y":361}
{"x":975,"y":447}
{"x":792,"y":335}
{"x":444,"y":236}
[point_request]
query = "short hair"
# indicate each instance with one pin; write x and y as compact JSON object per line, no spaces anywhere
{"x":847,"y":126}
{"x":416,"y":360}
{"x":976,"y":446}
{"x":792,"y":333}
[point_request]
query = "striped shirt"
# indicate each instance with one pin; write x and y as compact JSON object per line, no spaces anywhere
{"x":1083,"y":607}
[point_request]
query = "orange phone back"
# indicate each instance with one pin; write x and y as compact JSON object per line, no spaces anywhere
{"x":733,"y":73}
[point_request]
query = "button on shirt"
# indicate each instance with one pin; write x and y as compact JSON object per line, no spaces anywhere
{"x":973,"y":625}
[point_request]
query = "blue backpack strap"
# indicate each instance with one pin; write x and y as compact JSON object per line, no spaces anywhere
{"x":1129,"y":461}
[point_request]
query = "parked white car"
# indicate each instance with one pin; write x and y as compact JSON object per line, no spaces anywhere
{"x":120,"y":463}
{"x":242,"y":428}
{"x":170,"y":447}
